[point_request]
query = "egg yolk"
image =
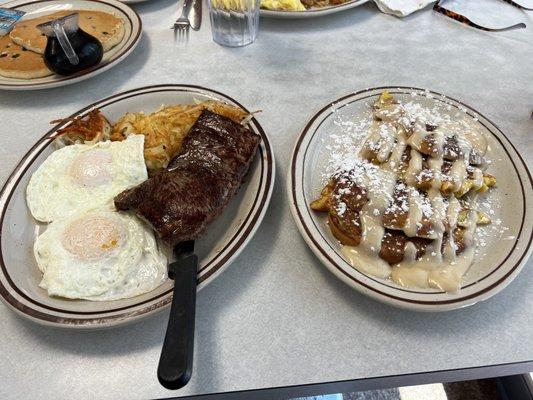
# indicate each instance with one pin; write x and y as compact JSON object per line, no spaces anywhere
{"x":92,"y":237}
{"x":91,"y":168}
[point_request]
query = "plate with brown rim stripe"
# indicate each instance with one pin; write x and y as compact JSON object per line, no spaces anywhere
{"x":313,"y":12}
{"x":225,"y":238}
{"x":500,"y":249}
{"x":39,"y":8}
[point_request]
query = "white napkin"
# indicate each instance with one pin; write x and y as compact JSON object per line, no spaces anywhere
{"x":401,"y":8}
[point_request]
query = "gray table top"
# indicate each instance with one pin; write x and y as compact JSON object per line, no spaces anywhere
{"x":277,"y":317}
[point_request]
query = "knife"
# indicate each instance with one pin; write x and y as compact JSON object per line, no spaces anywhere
{"x":196,"y":15}
{"x":175,"y":363}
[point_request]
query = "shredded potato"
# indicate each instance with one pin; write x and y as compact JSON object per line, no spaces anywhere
{"x":90,"y":129}
{"x":165,"y":129}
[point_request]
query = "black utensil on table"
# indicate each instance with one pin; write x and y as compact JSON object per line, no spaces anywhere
{"x":175,"y":363}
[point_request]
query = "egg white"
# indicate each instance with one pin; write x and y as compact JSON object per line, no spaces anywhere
{"x":99,"y":255}
{"x":80,"y":177}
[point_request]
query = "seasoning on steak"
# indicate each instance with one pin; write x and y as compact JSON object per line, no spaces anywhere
{"x":193,"y":190}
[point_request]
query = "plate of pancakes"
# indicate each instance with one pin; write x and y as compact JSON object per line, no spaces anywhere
{"x":412,"y":198}
{"x":22,"y":67}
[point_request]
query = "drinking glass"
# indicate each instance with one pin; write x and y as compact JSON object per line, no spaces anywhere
{"x":234,"y":23}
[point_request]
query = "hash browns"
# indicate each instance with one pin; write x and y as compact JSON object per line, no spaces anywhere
{"x":165,"y":129}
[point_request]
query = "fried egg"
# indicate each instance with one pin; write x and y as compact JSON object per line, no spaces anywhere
{"x":83,"y":176}
{"x":99,"y":255}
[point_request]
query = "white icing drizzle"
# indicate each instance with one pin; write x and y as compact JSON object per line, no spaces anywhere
{"x":439,"y":138}
{"x":418,"y":136}
{"x":395,"y":159}
{"x":414,"y":168}
{"x":457,"y":174}
{"x":478,"y":178}
{"x":414,"y":215}
{"x":388,"y":140}
{"x":439,"y":267}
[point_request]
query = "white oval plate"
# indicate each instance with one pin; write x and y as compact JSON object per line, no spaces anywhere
{"x":225,"y":239}
{"x":314,"y":12}
{"x":132,"y":35}
{"x":504,"y":254}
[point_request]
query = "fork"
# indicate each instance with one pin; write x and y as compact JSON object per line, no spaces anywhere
{"x":182,"y":25}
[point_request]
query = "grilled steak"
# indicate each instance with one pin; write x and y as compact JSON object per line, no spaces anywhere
{"x":193,"y":190}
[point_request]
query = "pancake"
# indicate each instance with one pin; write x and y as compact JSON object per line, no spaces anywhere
{"x":26,"y":34}
{"x":106,"y":27}
{"x":16,"y":62}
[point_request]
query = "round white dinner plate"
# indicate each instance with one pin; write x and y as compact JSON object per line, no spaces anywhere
{"x":34,"y":9}
{"x":313,"y":12}
{"x":504,"y":252}
{"x":226,"y":237}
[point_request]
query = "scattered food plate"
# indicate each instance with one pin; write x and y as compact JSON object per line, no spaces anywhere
{"x":412,"y":198}
{"x":87,"y":228}
{"x":113,"y":23}
{"x":293,"y":9}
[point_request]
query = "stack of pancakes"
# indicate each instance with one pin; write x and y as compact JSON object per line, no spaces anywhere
{"x":21,"y":52}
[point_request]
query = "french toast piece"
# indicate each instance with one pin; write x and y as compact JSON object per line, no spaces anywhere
{"x":348,"y":199}
{"x":397,"y":214}
{"x":386,"y":108}
{"x":393,"y":246}
{"x":343,"y":200}
{"x":346,"y":227}
{"x":450,"y":186}
{"x":323,"y":203}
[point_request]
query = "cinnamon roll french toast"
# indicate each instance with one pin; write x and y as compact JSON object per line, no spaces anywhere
{"x":405,"y":209}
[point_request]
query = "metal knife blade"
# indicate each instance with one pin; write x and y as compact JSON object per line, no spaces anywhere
{"x":196,"y":15}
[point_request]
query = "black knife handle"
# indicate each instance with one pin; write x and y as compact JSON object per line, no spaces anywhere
{"x":175,"y":364}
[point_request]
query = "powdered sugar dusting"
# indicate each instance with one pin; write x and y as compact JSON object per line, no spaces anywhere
{"x":345,"y":144}
{"x":347,"y":139}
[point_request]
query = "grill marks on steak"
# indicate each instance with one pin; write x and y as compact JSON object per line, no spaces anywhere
{"x":181,"y":200}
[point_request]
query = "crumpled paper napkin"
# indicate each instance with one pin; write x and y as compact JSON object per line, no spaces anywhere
{"x":401,"y":8}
